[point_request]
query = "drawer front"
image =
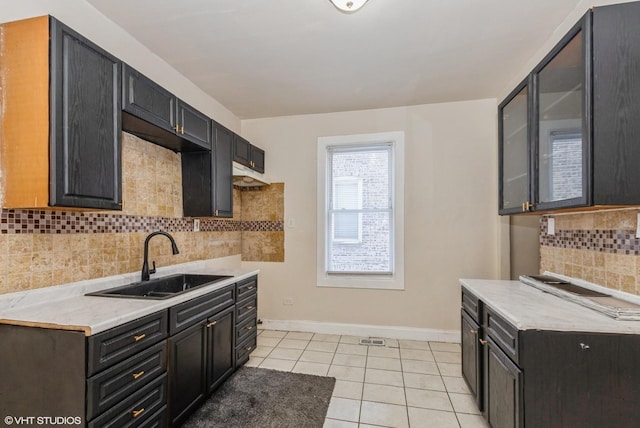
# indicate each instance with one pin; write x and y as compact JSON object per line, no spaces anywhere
{"x":122,"y":380}
{"x":158,"y":420}
{"x":503,"y":334}
{"x":186,"y":314}
{"x":136,"y":409}
{"x":247,"y":287}
{"x":114,"y":345}
{"x":246,"y":309}
{"x":246,"y":329}
{"x":244,"y":350}
{"x":471,"y":304}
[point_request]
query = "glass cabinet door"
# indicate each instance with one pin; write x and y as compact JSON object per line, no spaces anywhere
{"x":562,"y":129}
{"x":514,"y":151}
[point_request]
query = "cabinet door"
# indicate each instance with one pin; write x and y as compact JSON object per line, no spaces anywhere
{"x":504,"y":396}
{"x":147,"y":100}
{"x":257,"y":159}
{"x":222,"y":165}
{"x":193,"y":125}
{"x":563,"y":120}
{"x":242,"y":151}
{"x":471,"y":357}
{"x":514,"y":145}
{"x":85,"y":123}
{"x":219,"y":348}
{"x":187,"y":372}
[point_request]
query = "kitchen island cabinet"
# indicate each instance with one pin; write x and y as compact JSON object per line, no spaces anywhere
{"x":547,"y":362}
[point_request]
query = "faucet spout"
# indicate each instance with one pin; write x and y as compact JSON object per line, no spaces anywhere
{"x":146,"y":272}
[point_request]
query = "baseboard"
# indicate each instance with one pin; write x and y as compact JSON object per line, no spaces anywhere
{"x":364,"y":330}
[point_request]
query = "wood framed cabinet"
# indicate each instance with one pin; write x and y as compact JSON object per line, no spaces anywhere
{"x":207,"y":177}
{"x":541,"y":377}
{"x":61,"y":124}
{"x":200,"y":350}
{"x":247,"y":154}
{"x":154,"y":114}
{"x":581,"y":136}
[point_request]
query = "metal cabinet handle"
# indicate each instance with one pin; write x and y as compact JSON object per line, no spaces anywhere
{"x":137,"y":375}
{"x":137,"y":413}
{"x":483,"y":342}
{"x":249,"y":348}
{"x":584,"y":346}
{"x":182,"y":129}
{"x":249,"y":327}
{"x":211,"y":324}
{"x":473,"y":331}
{"x":250,"y":287}
{"x":249,"y":307}
{"x":139,"y":337}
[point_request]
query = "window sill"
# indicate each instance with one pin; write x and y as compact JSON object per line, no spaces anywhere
{"x":360,"y":282}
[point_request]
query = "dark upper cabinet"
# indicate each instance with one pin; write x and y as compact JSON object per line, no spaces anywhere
{"x":515,"y":150}
{"x":60,"y":127}
{"x":583,"y":98}
{"x":222,"y":171}
{"x":85,"y":125}
{"x":247,"y":154}
{"x":207,"y":180}
{"x":154,"y":114}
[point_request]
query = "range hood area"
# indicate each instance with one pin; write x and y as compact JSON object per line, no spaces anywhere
{"x":246,"y":177}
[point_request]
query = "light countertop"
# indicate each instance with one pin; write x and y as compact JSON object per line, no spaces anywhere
{"x":66,"y":307}
{"x":529,"y":308}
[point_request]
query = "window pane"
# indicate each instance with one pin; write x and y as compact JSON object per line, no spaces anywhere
{"x":372,"y":254}
{"x":346,"y":226}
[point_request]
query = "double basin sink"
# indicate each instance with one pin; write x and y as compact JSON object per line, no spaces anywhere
{"x":161,"y":288}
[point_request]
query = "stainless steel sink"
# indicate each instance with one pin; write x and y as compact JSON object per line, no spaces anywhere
{"x":161,"y":288}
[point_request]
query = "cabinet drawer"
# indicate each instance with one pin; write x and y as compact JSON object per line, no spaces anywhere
{"x":245,"y":329}
{"x":246,"y":309}
{"x":157,"y":420}
{"x":120,"y":381}
{"x":472,"y":305}
{"x":244,"y":350}
{"x":114,"y":345}
{"x":189,"y":313}
{"x":247,"y":287}
{"x":504,"y":334}
{"x":135,"y":410}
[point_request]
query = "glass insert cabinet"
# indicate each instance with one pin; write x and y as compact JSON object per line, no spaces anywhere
{"x":568,"y":133}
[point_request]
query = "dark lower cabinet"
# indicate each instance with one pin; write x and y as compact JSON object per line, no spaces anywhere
{"x":504,"y":394}
{"x":471,"y":357}
{"x":188,"y":371}
{"x":219,"y":348}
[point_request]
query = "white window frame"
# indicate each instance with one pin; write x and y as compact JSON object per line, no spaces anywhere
{"x":395,"y":280}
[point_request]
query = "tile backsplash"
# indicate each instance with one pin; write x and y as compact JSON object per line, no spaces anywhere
{"x":40,"y":248}
{"x":600,"y":247}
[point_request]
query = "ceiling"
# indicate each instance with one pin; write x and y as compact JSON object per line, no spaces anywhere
{"x":263,"y":58}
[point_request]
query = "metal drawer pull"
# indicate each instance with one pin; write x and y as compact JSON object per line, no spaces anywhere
{"x":137,"y":375}
{"x":250,"y":287}
{"x":249,"y":307}
{"x":249,"y":348}
{"x":139,"y":337}
{"x":584,"y":346}
{"x":137,"y":413}
{"x":483,"y":342}
{"x":473,"y":331}
{"x":211,"y":324}
{"x":249,"y":327}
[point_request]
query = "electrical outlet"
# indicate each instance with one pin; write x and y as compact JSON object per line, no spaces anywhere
{"x":196,"y":225}
{"x":551,"y":226}
{"x":287,"y":301}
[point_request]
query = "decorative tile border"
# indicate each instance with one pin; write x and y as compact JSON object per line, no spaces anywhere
{"x":601,"y":240}
{"x":59,"y":222}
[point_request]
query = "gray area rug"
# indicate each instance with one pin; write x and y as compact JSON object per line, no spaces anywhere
{"x":261,"y":398}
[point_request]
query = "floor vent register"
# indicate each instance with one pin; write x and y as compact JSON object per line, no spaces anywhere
{"x":372,"y":342}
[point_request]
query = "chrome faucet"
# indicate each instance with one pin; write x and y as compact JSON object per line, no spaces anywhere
{"x":145,"y":264}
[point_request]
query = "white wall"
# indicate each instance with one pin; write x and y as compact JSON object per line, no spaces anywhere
{"x":451,"y":221}
{"x":85,"y":19}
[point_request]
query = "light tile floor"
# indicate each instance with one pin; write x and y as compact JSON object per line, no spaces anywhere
{"x":406,"y":383}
